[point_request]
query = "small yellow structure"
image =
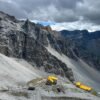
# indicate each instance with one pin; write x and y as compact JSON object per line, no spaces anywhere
{"x":82,"y":86}
{"x":51,"y":80}
{"x":78,"y":84}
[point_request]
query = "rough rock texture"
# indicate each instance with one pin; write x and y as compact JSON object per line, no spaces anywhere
{"x":85,"y":45}
{"x":24,"y":39}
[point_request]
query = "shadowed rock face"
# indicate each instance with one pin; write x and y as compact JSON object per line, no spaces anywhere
{"x":23,"y":39}
{"x":4,"y":50}
{"x":85,"y":45}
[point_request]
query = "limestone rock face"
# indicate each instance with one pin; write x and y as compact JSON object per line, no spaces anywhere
{"x":27,"y":40}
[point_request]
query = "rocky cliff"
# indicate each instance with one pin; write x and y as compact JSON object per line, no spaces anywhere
{"x":27,"y":40}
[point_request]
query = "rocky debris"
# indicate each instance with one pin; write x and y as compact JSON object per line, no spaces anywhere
{"x":52,"y":93}
{"x":4,"y":50}
{"x":31,"y":88}
{"x":14,"y":76}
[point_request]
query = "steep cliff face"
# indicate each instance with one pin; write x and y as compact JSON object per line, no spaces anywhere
{"x":24,"y":39}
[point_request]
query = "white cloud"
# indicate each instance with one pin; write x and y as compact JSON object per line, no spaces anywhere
{"x":73,"y":14}
{"x":75,"y":26}
{"x":79,"y":25}
{"x":8,"y":1}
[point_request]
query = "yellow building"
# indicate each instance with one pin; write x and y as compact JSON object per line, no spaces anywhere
{"x":51,"y":80}
{"x":82,"y":86}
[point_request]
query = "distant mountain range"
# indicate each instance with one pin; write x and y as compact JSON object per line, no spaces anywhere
{"x":85,"y":45}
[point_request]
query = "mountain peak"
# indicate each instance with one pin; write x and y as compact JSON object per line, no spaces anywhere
{"x":7,"y":17}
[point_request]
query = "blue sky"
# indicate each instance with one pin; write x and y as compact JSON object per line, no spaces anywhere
{"x":69,"y":25}
{"x":46,"y":23}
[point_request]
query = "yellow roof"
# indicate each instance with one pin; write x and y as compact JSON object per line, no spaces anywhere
{"x":52,"y":78}
{"x":82,"y":86}
{"x":78,"y":83}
